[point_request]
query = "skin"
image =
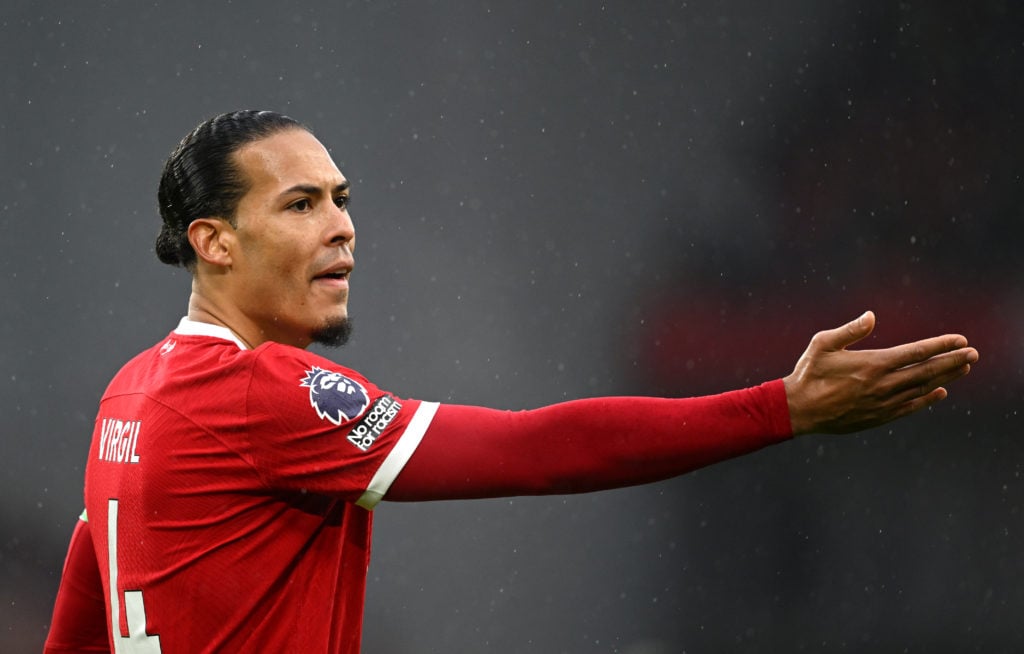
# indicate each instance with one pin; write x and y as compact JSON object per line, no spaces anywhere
{"x":263,"y":279}
{"x":836,"y":390}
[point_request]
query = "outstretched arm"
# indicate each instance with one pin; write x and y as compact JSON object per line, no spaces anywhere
{"x":601,"y":443}
{"x":835,"y":390}
{"x":586,"y":445}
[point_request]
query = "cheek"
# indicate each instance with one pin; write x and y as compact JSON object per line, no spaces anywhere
{"x":271,"y":276}
{"x":273,"y":260}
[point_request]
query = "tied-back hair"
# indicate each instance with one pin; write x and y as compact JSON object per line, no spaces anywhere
{"x":200,"y":178}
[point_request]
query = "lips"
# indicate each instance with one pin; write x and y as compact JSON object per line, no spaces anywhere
{"x":337,"y":272}
{"x":332,"y":275}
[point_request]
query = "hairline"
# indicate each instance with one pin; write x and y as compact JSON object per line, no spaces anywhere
{"x":245,"y":184}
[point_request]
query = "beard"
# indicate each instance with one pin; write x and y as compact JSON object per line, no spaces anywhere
{"x":333,"y":333}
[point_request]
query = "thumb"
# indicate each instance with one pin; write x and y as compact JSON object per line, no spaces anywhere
{"x":842,"y":337}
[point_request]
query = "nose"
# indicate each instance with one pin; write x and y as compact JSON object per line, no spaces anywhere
{"x":341,"y":231}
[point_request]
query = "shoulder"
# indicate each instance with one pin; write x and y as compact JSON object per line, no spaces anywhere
{"x":337,"y":393}
{"x":185,"y":363}
{"x":275,"y":358}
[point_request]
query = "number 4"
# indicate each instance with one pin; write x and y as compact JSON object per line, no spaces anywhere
{"x":138,"y":641}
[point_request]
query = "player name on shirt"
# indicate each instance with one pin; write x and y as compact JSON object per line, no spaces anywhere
{"x":118,"y":439}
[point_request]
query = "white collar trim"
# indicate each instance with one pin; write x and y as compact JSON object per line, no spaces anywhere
{"x":187,"y":327}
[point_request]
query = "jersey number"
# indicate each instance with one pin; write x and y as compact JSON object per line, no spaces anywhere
{"x":138,"y":641}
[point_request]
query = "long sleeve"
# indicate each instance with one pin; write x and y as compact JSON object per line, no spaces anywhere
{"x":79,"y":621}
{"x":587,"y":445}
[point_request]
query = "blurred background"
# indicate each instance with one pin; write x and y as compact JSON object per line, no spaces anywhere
{"x":557,"y":200}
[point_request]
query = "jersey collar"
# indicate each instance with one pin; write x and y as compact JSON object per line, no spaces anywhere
{"x":188,"y":327}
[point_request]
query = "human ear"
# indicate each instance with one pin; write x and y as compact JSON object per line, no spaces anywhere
{"x":211,"y":239}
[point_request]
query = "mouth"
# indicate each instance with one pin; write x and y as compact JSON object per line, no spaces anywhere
{"x":335,"y":276}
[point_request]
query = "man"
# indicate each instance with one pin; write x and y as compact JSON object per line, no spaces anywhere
{"x":231,"y":474}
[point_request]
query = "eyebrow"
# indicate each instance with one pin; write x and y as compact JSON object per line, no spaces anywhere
{"x":310,"y":189}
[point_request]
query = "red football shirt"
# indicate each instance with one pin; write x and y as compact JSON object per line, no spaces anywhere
{"x":228,"y":493}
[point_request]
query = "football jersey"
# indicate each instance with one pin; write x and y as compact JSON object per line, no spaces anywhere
{"x":229,"y":493}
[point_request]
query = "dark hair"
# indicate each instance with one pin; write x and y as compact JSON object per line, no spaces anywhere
{"x":200,"y":179}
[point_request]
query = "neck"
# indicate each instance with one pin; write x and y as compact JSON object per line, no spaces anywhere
{"x":201,"y":311}
{"x":207,"y":305}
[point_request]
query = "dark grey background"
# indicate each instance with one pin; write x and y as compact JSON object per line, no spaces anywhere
{"x":557,"y":200}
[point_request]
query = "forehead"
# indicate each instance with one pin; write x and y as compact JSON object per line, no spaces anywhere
{"x":285,"y":159}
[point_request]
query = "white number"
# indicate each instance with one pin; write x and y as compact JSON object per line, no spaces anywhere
{"x":137,"y":642}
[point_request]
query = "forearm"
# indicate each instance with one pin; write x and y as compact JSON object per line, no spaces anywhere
{"x":587,"y":445}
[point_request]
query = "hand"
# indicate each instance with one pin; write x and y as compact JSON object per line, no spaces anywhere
{"x":835,"y":390}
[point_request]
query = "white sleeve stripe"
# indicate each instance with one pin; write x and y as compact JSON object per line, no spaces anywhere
{"x":399,"y":455}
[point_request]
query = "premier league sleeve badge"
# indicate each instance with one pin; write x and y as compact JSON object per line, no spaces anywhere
{"x":335,"y":397}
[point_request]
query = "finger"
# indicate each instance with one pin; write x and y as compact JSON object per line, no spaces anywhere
{"x":934,"y":372}
{"x":929,"y":385}
{"x":922,"y":402}
{"x":846,"y":335}
{"x":917,"y":352}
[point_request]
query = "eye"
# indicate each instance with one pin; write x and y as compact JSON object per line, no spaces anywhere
{"x":342,"y":201}
{"x":302,"y":205}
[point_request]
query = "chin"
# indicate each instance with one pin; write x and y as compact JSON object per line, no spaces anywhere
{"x":334,"y":332}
